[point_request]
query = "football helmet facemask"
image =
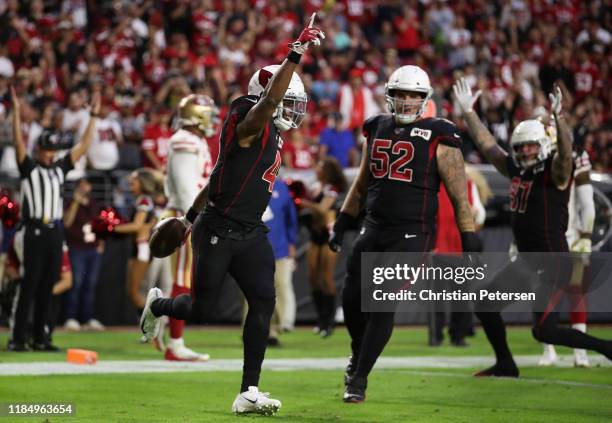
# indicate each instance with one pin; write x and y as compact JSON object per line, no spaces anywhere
{"x":200,"y":111}
{"x":291,"y":110}
{"x":413,"y":79}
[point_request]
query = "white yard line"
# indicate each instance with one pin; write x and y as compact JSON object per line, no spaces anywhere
{"x":161,"y":366}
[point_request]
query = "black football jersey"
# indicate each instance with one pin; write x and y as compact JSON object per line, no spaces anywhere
{"x":242,"y":180}
{"x":538,"y":208}
{"x":403,"y":173}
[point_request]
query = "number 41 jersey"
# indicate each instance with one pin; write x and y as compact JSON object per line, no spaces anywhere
{"x":241,"y":182}
{"x":403,"y":171}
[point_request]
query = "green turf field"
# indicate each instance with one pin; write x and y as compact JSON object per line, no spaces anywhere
{"x":403,"y":395}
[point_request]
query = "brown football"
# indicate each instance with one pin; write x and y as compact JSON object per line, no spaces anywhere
{"x":166,"y":237}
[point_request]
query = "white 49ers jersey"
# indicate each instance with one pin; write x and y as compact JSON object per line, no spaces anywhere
{"x":188,"y":169}
{"x":581,"y":164}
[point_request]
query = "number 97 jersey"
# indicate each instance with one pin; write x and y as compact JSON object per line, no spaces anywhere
{"x":403,"y":171}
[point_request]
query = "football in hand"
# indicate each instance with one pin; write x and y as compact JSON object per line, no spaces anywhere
{"x":167,"y":236}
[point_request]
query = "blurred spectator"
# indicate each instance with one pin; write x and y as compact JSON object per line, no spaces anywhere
{"x":296,"y":152}
{"x":155,"y":138}
{"x":356,"y":101}
{"x":338,"y":142}
{"x":326,"y":196}
{"x":85,"y":249}
{"x":104,"y":151}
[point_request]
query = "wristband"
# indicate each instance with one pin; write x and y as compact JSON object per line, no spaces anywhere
{"x":191,"y":215}
{"x":294,"y":57}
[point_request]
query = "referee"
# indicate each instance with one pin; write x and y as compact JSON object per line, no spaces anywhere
{"x":42,"y":182}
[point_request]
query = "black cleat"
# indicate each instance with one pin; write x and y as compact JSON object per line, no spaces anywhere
{"x":273,"y":342}
{"x":355,"y":390}
{"x":44,"y":346}
{"x":350,"y":370}
{"x":458,"y":342}
{"x":507,"y":369}
{"x":17,"y":347}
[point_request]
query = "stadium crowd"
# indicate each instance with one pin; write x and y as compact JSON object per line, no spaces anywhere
{"x":144,"y":56}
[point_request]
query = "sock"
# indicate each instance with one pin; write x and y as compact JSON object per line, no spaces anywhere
{"x":376,"y":335}
{"x":354,"y":319}
{"x":317,"y":299}
{"x":255,"y":339}
{"x":495,"y":330}
{"x":179,"y":307}
{"x":177,"y":326}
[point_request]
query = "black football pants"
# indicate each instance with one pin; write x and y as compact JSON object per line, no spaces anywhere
{"x":251,"y":263}
{"x":42,"y":262}
{"x":370,"y":332}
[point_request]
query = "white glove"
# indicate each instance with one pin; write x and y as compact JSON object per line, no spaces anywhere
{"x":581,"y":245}
{"x":556,"y":102}
{"x":464,"y":96}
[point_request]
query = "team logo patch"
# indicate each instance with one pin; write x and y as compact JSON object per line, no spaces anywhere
{"x":423,"y":133}
{"x":214,"y":239}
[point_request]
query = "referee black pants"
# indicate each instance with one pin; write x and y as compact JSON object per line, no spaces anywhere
{"x":370,"y":332}
{"x":42,"y":261}
{"x":251,"y":263}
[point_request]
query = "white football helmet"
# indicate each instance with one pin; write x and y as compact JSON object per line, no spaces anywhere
{"x":408,"y":78}
{"x":291,"y":111}
{"x":530,"y":132}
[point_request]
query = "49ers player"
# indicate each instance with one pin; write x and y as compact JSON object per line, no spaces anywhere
{"x":188,"y":170}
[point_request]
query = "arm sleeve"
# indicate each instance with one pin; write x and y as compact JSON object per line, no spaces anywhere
{"x":183,"y":175}
{"x":26,"y":166}
{"x":585,"y":207}
{"x":477,"y":204}
{"x":448,"y":134}
{"x":65,"y":163}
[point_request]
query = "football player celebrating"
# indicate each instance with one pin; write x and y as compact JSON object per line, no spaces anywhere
{"x":229,"y":236}
{"x":404,"y":160}
{"x":539,"y":194}
{"x":581,"y":209}
{"x":188,"y":170}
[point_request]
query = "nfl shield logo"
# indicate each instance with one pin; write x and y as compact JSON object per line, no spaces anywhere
{"x":214,"y":239}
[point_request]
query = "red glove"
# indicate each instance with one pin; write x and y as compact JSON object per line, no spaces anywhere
{"x":308,"y":35}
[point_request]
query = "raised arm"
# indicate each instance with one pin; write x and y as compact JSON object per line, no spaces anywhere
{"x":484,"y":140}
{"x":20,"y":148}
{"x":81,"y":148}
{"x":562,"y":160}
{"x":255,"y":120}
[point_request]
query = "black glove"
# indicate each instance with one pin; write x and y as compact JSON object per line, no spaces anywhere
{"x":470,"y":242}
{"x":343,"y":222}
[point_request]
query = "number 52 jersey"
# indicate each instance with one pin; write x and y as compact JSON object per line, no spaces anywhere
{"x":403,"y":171}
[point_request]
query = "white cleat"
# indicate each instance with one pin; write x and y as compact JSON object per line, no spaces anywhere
{"x":177,"y":351}
{"x":253,"y":401}
{"x":581,"y":359}
{"x":94,"y":325}
{"x":72,"y":325}
{"x":549,"y":357}
{"x":149,"y":324}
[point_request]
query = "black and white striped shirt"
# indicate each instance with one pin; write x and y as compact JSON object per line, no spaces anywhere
{"x":42,"y":189}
